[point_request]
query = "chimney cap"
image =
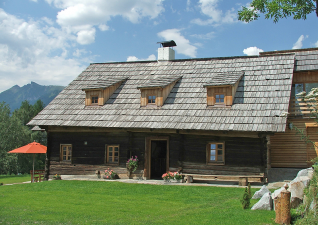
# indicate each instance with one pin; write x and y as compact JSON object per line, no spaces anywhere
{"x":167,"y":43}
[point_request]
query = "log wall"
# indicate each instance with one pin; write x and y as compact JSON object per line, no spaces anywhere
{"x":289,"y":150}
{"x":243,"y":155}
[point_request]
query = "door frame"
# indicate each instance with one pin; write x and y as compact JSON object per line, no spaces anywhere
{"x":147,"y":165}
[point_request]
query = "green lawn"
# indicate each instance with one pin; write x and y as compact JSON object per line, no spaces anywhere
{"x":93,"y":202}
{"x":11,"y":179}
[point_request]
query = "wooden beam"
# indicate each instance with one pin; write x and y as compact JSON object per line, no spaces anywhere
{"x":163,"y":131}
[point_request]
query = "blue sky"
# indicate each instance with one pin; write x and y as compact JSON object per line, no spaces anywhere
{"x":51,"y":41}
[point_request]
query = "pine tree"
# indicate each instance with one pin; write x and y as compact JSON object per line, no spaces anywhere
{"x":245,"y":200}
{"x":249,"y":190}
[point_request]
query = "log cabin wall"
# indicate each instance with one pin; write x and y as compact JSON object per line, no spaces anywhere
{"x":242,"y":155}
{"x":289,"y":150}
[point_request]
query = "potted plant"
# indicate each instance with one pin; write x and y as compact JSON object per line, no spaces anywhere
{"x":57,"y":177}
{"x":132,"y":165}
{"x":110,"y":174}
{"x":167,"y":176}
{"x":177,"y":176}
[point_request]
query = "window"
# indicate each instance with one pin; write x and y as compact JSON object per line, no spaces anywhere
{"x":112,"y":154}
{"x":151,"y":99}
{"x":94,"y":100}
{"x":219,"y":99}
{"x":66,"y":152}
{"x":215,"y":153}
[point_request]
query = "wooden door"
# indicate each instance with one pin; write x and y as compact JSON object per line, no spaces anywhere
{"x":158,"y":158}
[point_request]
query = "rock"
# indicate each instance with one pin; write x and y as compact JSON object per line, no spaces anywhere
{"x":305,"y":172}
{"x":265,"y":203}
{"x":295,"y":202}
{"x":277,"y":192}
{"x":296,"y":187}
{"x":261,"y":192}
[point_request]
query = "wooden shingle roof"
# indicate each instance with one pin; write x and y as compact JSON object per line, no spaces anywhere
{"x":305,"y":59}
{"x":221,"y":79}
{"x":263,"y":93}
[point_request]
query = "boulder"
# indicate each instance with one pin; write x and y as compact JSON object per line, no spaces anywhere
{"x":295,"y":202}
{"x":277,"y":192}
{"x":297,"y":187}
{"x":305,"y":172}
{"x":265,"y":203}
{"x":261,"y":192}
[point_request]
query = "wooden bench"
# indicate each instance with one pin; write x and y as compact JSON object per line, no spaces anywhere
{"x":38,"y":175}
{"x":242,"y":179}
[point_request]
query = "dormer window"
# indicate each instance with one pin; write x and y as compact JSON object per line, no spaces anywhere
{"x":221,"y":89}
{"x":219,"y":98}
{"x":155,"y":91}
{"x":99,"y":91}
{"x":151,"y":99}
{"x":94,"y":100}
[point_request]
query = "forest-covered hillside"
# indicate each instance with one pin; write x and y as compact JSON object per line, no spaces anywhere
{"x":31,"y":93}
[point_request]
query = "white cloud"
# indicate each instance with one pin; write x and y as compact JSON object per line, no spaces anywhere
{"x":299,"y":42}
{"x":79,"y":52}
{"x":81,"y":16}
{"x":188,"y":5}
{"x":210,"y":9}
{"x":252,"y":51}
{"x":47,"y":20}
{"x":183,"y":45}
{"x":134,"y":58}
{"x":31,"y":51}
{"x":103,"y":27}
{"x":85,"y":37}
{"x":316,"y":44}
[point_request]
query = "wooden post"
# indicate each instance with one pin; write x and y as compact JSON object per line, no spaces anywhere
{"x":282,"y":207}
{"x":277,"y":210}
{"x":285,"y":206}
{"x":268,"y":153}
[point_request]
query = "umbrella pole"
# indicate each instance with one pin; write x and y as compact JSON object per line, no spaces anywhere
{"x":33,"y":168}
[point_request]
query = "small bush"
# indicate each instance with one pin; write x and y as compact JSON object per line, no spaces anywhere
{"x":246,"y":199}
{"x":249,"y":190}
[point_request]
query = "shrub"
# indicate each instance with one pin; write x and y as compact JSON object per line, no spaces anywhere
{"x":245,"y":200}
{"x":309,"y":210}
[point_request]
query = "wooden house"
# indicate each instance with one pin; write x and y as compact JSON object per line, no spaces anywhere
{"x":207,"y":116}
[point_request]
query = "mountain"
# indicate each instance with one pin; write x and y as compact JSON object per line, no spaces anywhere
{"x":30,"y":92}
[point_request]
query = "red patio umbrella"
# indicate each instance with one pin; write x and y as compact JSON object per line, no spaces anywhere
{"x":32,"y":148}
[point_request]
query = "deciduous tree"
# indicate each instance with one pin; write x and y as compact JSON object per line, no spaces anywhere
{"x":277,"y":9}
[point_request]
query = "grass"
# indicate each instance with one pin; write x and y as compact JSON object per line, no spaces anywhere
{"x":92,"y":202}
{"x":12,"y":179}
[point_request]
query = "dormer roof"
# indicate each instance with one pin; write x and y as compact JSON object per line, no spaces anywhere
{"x":222,"y":79}
{"x":103,"y":83}
{"x":159,"y":82}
